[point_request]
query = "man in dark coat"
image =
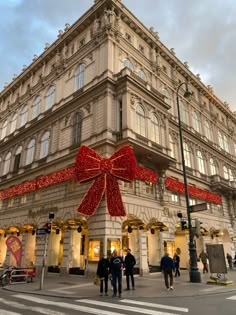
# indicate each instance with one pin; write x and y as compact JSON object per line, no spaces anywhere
{"x":102,"y":273}
{"x":129,"y":268}
{"x":115,"y":269}
{"x":167,"y":267}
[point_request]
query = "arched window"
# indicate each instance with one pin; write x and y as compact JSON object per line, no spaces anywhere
{"x":226,"y":172}
{"x":13,"y":123}
{"x":77,"y":128}
{"x":140,"y":121}
{"x":187,"y":155}
{"x":221,"y":139}
{"x":44,"y":145}
{"x":208,"y":130}
{"x":212,"y":166}
{"x":17,"y":159}
{"x":201,"y":164}
{"x":36,"y":107}
{"x":24,"y":115}
{"x":183,"y":112}
{"x":142,"y":75}
{"x":128,"y":64}
{"x":172,"y":146}
{"x":4,"y":130}
{"x":155,"y":129}
{"x":6,"y":164}
{"x":196,"y":121}
{"x":30,"y":152}
{"x":79,"y":76}
{"x":50,"y":97}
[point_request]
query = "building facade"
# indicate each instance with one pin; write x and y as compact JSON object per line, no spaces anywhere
{"x":106,"y":82}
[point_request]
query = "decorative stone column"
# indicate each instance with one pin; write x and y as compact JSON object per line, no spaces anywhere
{"x":143,"y":263}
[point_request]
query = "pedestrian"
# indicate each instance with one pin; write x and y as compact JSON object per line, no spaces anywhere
{"x":235,"y":261}
{"x":102,"y":273}
{"x":129,"y":269}
{"x":203,"y":256}
{"x":176,"y":259}
{"x":230,"y":260}
{"x":115,"y":269}
{"x":167,"y":267}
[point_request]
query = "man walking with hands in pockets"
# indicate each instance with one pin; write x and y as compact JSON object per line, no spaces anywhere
{"x":129,"y":268}
{"x":167,"y":267}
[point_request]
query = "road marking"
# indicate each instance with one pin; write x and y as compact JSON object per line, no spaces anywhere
{"x":167,"y":307}
{"x":64,"y":290}
{"x":65,"y":305}
{"x":3,"y":312}
{"x":25,"y":307}
{"x":231,"y":298}
{"x":124,"y":307}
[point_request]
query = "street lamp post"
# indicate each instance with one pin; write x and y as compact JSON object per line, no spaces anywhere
{"x":194,"y":273}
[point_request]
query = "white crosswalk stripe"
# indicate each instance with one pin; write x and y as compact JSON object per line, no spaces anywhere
{"x":231,"y":297}
{"x":114,"y":307}
{"x":127,"y":307}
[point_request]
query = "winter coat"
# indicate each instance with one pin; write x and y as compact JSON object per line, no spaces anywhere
{"x":103,"y":268}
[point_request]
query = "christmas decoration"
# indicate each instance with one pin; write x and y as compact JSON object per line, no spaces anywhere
{"x":195,"y":192}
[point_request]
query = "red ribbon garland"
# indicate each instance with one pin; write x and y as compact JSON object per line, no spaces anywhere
{"x":105,"y":172}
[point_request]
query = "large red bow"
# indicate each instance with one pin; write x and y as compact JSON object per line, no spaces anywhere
{"x":105,"y":172}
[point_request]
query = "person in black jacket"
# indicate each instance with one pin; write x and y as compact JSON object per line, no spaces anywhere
{"x":129,"y":269}
{"x":167,"y":267}
{"x":115,"y":269}
{"x":102,"y":272}
{"x":176,"y":259}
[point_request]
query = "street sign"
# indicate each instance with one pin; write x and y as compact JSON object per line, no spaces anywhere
{"x":41,"y":232}
{"x":199,"y":207}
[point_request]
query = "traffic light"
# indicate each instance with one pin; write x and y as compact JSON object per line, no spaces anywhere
{"x":184,"y":225}
{"x":48,"y":227}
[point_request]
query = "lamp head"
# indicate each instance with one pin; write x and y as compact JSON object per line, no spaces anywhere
{"x":187,"y":93}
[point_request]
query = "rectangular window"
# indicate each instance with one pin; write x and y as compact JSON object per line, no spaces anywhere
{"x":174,"y":198}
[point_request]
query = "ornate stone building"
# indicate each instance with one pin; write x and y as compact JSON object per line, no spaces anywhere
{"x":108,"y":81}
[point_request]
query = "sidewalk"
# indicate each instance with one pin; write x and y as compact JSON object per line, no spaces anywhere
{"x":152,"y":285}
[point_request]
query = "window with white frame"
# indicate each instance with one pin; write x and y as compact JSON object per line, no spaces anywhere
{"x":208,"y":130}
{"x":50,"y":97}
{"x":77,"y":128}
{"x":196,"y":121}
{"x":13,"y":123}
{"x":221,"y":139}
{"x":212,"y":166}
{"x":192,"y":201}
{"x":226,"y":172}
{"x":24,"y":115}
{"x":226,"y":143}
{"x":44,"y":145}
{"x":17,"y":159}
{"x":201,"y":163}
{"x":36,"y":107}
{"x":3,"y":130}
{"x":231,"y":176}
{"x":172,"y":146}
{"x":79,"y":76}
{"x":30,"y":152}
{"x":142,"y":75}
{"x":128,"y":64}
{"x":140,"y":121}
{"x":174,"y":197}
{"x":155,"y":129}
{"x":6,"y":164}
{"x":187,"y":154}
{"x":183,"y":112}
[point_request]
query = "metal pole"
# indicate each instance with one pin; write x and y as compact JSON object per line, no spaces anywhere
{"x":194,"y":273}
{"x":44,"y":262}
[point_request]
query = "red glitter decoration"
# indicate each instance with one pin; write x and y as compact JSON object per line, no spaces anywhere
{"x":105,"y":172}
{"x":145,"y":174}
{"x":195,"y":192}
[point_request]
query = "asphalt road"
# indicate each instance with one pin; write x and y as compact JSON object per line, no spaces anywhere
{"x":12,"y":303}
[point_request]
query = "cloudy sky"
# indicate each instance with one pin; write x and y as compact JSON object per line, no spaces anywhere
{"x":202,"y":32}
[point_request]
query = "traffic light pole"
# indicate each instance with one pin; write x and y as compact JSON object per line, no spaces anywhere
{"x":51,"y":217}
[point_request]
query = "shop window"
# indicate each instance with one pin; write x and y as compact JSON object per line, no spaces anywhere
{"x":95,"y":250}
{"x":113,"y":244}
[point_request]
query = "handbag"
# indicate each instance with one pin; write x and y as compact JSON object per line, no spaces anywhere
{"x":96,"y":280}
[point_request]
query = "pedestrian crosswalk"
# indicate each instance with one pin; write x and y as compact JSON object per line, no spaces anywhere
{"x":42,"y":305}
{"x":21,"y":304}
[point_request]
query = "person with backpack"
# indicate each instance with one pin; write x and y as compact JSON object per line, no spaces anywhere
{"x":115,"y":270}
